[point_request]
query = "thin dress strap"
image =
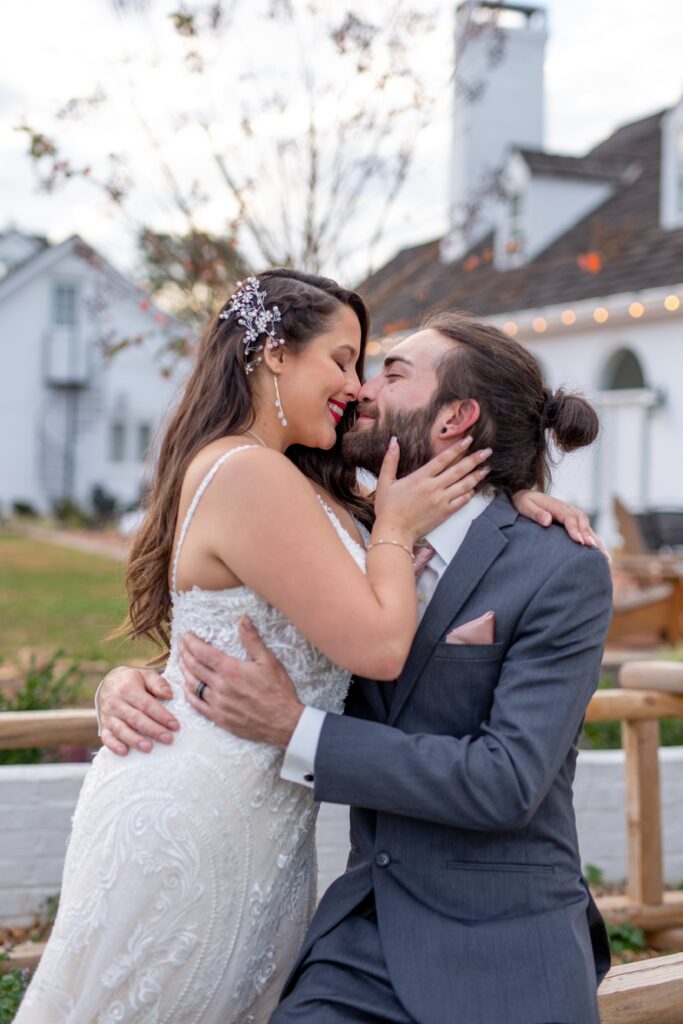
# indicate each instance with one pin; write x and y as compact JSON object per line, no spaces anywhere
{"x":341,"y":530}
{"x":195,"y":501}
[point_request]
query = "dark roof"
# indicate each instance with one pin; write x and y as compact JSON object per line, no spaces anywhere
{"x":505,"y":5}
{"x":24,"y":234}
{"x":43,"y":244}
{"x":557,"y":165}
{"x":618,"y":247}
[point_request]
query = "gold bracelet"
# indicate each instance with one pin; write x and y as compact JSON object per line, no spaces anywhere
{"x":396,"y":543}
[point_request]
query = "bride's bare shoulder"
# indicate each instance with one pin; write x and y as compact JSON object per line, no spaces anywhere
{"x":206,"y":458}
{"x":254,"y":470}
{"x":231,"y":470}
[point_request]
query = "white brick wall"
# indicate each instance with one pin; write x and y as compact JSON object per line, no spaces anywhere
{"x":36,"y":805}
{"x":600,"y":818}
{"x":37,"y":802}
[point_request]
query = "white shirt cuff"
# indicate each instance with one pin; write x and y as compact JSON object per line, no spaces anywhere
{"x":298,"y":765}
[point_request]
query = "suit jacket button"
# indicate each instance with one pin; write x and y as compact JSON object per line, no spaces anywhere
{"x":382,"y":859}
{"x":308,"y":777}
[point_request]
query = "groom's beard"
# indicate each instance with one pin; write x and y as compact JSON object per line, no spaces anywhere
{"x":366,"y":448}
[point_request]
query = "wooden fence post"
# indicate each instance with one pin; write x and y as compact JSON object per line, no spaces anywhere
{"x":640,"y":741}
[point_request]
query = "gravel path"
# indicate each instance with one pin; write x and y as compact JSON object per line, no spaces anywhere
{"x":109,"y":543}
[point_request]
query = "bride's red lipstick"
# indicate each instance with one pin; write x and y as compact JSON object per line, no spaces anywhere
{"x":337,"y":410}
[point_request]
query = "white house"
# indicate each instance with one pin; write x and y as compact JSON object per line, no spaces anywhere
{"x":72,"y":416}
{"x":580,"y":258}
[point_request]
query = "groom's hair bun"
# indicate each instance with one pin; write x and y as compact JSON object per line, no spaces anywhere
{"x":572,"y":420}
{"x":519,"y":415}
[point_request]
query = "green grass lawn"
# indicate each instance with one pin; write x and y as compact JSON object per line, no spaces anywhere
{"x":53,"y":597}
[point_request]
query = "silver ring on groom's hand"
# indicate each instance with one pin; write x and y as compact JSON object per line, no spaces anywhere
{"x":199,"y":690}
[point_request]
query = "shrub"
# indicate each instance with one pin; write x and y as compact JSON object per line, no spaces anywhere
{"x":593,"y":875}
{"x":13,"y":984}
{"x":23,"y":508}
{"x":45,"y":688}
{"x":607,"y":735}
{"x":624,"y":937}
{"x":69,"y":513}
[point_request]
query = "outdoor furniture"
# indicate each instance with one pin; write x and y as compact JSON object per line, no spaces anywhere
{"x":650,"y":531}
{"x":634,"y":542}
{"x":657,"y":604}
{"x":649,"y":609}
{"x":662,"y":528}
{"x":652,"y":572}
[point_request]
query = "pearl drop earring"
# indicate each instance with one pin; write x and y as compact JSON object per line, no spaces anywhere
{"x":278,"y":403}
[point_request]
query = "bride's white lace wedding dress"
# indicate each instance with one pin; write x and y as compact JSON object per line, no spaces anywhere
{"x":190,"y":877}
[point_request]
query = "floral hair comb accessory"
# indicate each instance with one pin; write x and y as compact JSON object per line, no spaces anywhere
{"x":249,"y":306}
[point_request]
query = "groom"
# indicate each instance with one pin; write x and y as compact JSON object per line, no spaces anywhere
{"x":463,"y":900}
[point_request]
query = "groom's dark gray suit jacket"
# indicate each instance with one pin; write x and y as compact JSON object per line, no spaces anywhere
{"x":459,"y":776}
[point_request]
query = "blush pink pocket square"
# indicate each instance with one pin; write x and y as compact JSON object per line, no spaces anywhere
{"x":478,"y":631}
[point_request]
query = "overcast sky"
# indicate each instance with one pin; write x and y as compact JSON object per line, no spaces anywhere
{"x":608,"y":62}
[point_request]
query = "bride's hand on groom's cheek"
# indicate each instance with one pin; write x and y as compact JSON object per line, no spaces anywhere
{"x":254,"y":699}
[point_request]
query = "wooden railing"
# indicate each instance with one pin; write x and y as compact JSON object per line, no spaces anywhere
{"x":647,"y":992}
{"x":20,"y":729}
{"x":639,"y":709}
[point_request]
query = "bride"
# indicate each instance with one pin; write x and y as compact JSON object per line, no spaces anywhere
{"x":190,"y":876}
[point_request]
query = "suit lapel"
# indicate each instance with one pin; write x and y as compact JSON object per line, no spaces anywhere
{"x":481,"y":547}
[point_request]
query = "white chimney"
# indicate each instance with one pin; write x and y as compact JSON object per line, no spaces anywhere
{"x":498,"y":103}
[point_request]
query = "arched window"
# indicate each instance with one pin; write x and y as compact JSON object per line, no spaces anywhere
{"x":623,"y":371}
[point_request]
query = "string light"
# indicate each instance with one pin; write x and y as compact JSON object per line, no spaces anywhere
{"x":568,"y":317}
{"x":601,"y":315}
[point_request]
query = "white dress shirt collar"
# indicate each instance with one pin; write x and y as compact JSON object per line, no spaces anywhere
{"x":447,"y":537}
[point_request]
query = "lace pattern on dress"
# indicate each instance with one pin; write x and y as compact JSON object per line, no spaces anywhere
{"x":190,"y":877}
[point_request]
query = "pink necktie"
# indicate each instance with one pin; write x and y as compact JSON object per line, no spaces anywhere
{"x":422,"y":556}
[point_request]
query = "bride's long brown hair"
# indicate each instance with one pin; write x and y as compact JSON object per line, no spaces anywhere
{"x":217,"y":402}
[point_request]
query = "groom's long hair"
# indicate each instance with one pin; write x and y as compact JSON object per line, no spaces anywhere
{"x":217,"y":402}
{"x":519,"y":414}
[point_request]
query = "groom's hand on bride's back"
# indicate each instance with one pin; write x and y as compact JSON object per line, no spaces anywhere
{"x":130,"y":710}
{"x":254,"y":699}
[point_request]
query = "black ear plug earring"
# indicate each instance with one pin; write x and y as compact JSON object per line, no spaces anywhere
{"x":444,"y":430}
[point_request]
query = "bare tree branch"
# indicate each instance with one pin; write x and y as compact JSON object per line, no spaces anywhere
{"x":301,"y":119}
